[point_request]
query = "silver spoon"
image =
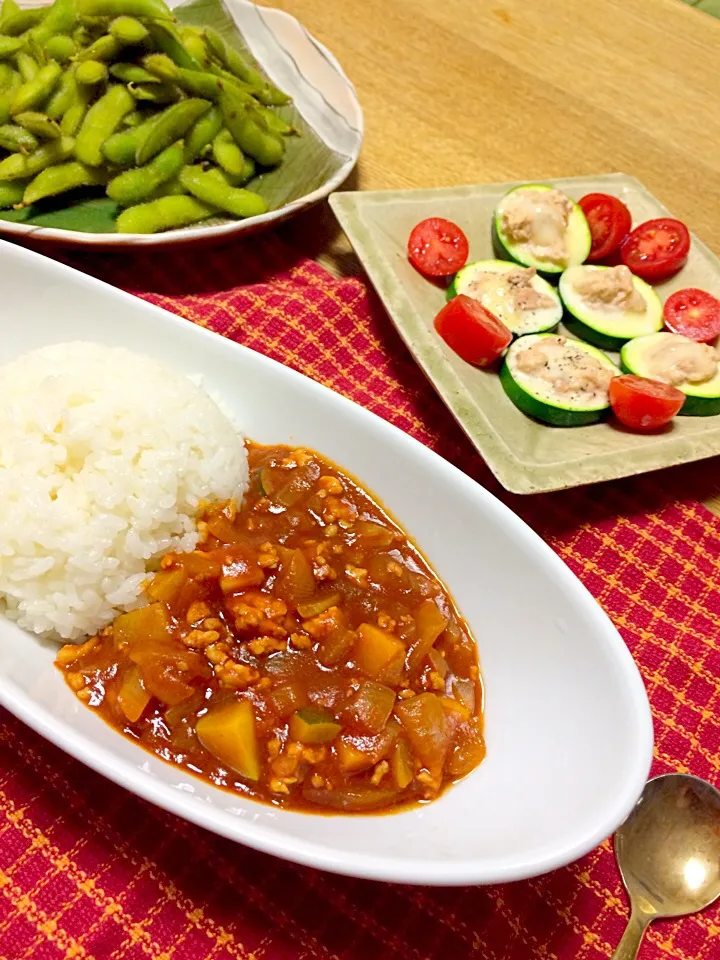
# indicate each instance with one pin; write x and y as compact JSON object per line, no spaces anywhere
{"x":668,"y":851}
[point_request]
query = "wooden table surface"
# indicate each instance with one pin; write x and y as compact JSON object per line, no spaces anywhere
{"x":471,"y":91}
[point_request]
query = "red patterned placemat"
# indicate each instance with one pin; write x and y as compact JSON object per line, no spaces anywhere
{"x":89,"y":871}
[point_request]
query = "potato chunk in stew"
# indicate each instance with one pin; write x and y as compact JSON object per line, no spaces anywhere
{"x":304,"y":654}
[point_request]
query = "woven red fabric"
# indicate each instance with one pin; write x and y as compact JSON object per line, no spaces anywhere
{"x":89,"y":871}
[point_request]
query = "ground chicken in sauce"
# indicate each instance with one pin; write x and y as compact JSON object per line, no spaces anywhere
{"x":304,"y":654}
{"x":539,"y":219}
{"x":677,"y":360}
{"x":611,"y":289}
{"x":513,"y":287}
{"x":565,"y":369}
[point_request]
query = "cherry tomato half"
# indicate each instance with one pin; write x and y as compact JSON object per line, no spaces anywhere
{"x":609,"y":221}
{"x":693,"y":313}
{"x":643,"y":404}
{"x":437,"y":247}
{"x":656,"y":249}
{"x":471,"y":331}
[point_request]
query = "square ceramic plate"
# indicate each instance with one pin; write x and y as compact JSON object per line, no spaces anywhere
{"x":567,"y":721}
{"x":525,"y":456}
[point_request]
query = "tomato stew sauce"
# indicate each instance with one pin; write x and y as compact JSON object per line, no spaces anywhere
{"x":304,"y":654}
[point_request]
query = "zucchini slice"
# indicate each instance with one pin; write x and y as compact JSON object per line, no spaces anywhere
{"x":476,"y":281}
{"x":576,"y":240}
{"x":703,"y":399}
{"x":540,"y":397}
{"x":607,"y":326}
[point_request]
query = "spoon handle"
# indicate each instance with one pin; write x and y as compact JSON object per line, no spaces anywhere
{"x":629,"y":946}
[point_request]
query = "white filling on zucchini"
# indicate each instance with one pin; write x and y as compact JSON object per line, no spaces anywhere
{"x":513,"y":297}
{"x":610,"y":290}
{"x":538,"y":220}
{"x":679,"y":360}
{"x":554,"y":368}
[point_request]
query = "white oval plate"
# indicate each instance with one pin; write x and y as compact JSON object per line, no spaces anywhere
{"x":321,"y":91}
{"x":569,"y":732}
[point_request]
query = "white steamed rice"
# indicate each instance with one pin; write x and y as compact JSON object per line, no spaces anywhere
{"x":104,"y":457}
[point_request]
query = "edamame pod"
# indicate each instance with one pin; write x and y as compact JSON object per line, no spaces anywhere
{"x":9,"y":46}
{"x":234,"y":200}
{"x":134,"y":186}
{"x":275,"y":123}
{"x":196,"y":82}
{"x":27,"y":66}
{"x":169,"y":127}
{"x":121,"y":147}
{"x":133,"y":119}
{"x":232,"y":60}
{"x":81,"y":35}
{"x":17,"y":139}
{"x":60,"y":48}
{"x":36,"y":91}
{"x":143,"y":9}
{"x":21,"y":20}
{"x":40,"y":124}
{"x":63,"y":97}
{"x":128,"y":31}
{"x":228,"y":154}
{"x":9,"y":78}
{"x":194,"y":44}
{"x":11,"y":193}
{"x":165,"y":213}
{"x":222,"y":177}
{"x":103,"y":49}
{"x":61,"y":18}
{"x":75,"y":113}
{"x":132,"y":73}
{"x":101,"y":121}
{"x":61,"y":178}
{"x":168,"y":40}
{"x":91,"y":72}
{"x":202,"y":132}
{"x":18,"y":166}
{"x":250,"y":131}
{"x":171,"y":188}
{"x":6,"y":98}
{"x":161,"y":93}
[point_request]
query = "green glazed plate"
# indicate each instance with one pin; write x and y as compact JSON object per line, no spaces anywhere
{"x":525,"y":456}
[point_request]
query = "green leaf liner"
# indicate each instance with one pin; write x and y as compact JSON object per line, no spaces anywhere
{"x":307,"y":165}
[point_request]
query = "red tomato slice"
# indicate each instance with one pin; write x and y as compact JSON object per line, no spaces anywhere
{"x":656,"y":249}
{"x":693,"y":313}
{"x":471,"y":331}
{"x":609,"y":221}
{"x":437,"y":247}
{"x":643,"y":404}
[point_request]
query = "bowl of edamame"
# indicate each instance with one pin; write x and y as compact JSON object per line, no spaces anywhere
{"x":127,"y":122}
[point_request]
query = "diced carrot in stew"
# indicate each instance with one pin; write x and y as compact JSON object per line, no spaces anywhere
{"x":166,"y":585}
{"x":352,"y":759}
{"x":142,"y":627}
{"x":377,"y":651}
{"x":304,"y":653}
{"x":228,"y":733}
